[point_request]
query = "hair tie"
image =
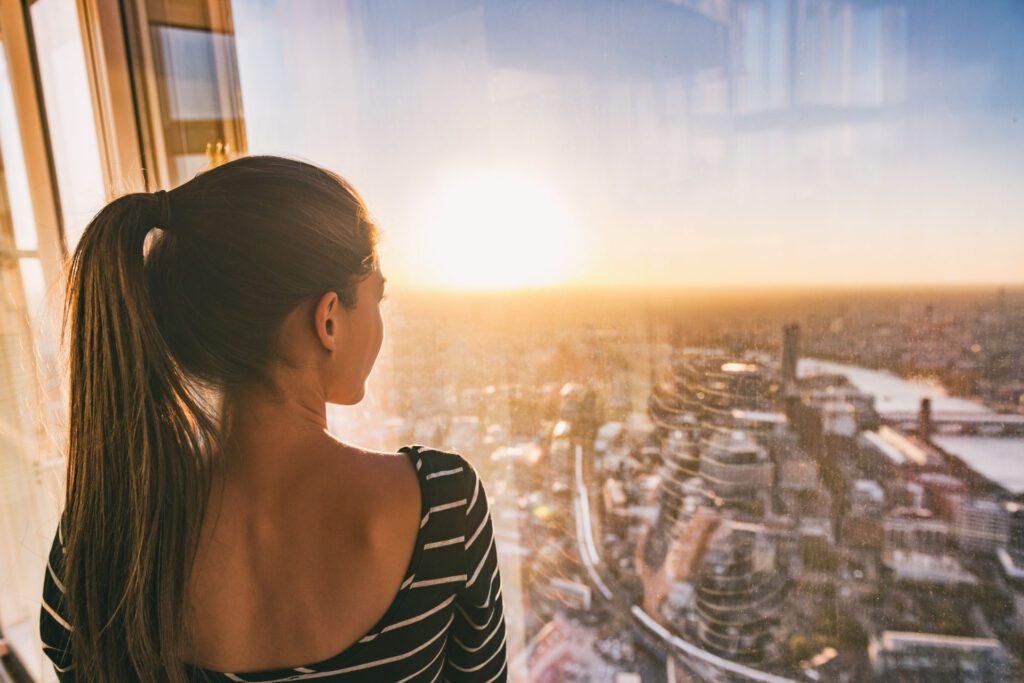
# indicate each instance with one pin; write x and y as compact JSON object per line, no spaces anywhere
{"x":164,"y":199}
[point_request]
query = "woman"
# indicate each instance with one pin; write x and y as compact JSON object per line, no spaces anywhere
{"x":213,"y":529}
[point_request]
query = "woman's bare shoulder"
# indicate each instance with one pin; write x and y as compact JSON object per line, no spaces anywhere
{"x":381,"y":463}
{"x":387,"y":478}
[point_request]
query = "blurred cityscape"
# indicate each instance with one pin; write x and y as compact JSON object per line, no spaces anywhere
{"x":735,"y":486}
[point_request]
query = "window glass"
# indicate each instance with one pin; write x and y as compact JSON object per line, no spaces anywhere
{"x":722,"y":297}
{"x":22,"y":216}
{"x":30,"y":398}
{"x":190,"y":76}
{"x":193,"y":96}
{"x":69,"y":113}
{"x":19,"y":443}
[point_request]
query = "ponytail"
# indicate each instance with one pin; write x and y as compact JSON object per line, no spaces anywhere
{"x":140,"y":438}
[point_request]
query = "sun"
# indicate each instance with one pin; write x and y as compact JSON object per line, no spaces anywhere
{"x":490,"y":228}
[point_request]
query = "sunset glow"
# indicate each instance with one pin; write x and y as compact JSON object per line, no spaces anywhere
{"x":494,"y":229}
{"x":683,"y":163}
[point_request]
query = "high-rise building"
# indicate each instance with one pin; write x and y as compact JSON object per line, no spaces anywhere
{"x":981,"y":525}
{"x":736,"y":468}
{"x":790,"y":354}
{"x":737,"y":606}
{"x":930,"y":656}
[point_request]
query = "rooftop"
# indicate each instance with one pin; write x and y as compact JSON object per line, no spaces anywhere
{"x":893,"y":640}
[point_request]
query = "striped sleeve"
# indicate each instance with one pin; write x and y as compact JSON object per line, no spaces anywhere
{"x":476,"y":649}
{"x":54,"y":629}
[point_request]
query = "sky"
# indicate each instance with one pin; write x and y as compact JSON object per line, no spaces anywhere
{"x":504,"y":144}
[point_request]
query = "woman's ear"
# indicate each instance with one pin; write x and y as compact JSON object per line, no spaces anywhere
{"x":327,"y":321}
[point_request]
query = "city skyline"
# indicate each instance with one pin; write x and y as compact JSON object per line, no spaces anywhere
{"x":638,"y":452}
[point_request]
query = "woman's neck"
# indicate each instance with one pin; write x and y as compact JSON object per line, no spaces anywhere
{"x":268,"y":438}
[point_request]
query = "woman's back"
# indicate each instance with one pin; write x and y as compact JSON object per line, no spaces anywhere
{"x":421,"y":604}
{"x":270,"y":573}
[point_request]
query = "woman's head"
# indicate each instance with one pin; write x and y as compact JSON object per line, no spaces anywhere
{"x":263,"y":266}
{"x":251,"y":243}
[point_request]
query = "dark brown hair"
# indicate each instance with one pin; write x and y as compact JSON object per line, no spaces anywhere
{"x":162,"y":323}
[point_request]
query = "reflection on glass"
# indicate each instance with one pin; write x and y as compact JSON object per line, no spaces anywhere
{"x":66,"y":94}
{"x":25,"y":504}
{"x":691,"y":139}
{"x":561,"y":185}
{"x":189,"y":55}
{"x":15,"y":173}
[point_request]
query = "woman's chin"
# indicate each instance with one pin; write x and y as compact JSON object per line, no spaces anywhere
{"x":348,"y":398}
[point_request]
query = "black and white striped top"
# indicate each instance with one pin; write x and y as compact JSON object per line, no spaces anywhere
{"x":446,"y":624}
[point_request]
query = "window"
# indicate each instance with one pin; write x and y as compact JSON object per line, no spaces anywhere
{"x":67,"y":98}
{"x":31,"y":399}
{"x":722,"y":297}
{"x":602,"y":153}
{"x":186,"y":68}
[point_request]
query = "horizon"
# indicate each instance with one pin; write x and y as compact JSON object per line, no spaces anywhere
{"x":397,"y":286}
